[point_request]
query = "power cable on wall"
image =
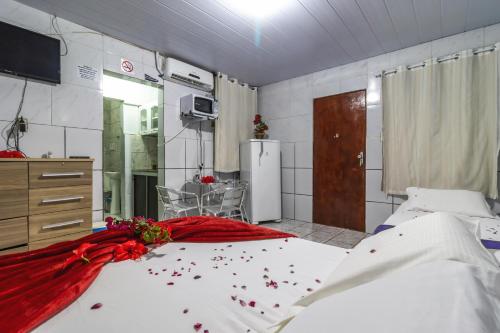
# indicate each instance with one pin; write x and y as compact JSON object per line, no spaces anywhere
{"x":57,"y":30}
{"x":15,"y":129}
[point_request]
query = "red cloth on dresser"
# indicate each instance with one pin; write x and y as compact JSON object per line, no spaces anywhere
{"x":34,"y":285}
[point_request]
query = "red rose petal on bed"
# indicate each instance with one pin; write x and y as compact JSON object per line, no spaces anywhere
{"x":234,"y":274}
{"x":286,"y":240}
{"x":276,"y":305}
{"x":265,"y":276}
{"x":264,"y":250}
{"x":295,"y":283}
{"x":179,"y":259}
{"x":373,"y":251}
{"x":156,"y":273}
{"x":318,"y":281}
{"x":197,"y":327}
{"x":182,"y":248}
{"x":309,"y":289}
{"x":244,"y":287}
{"x":291,"y":265}
{"x":284,"y":281}
{"x":205,"y":331}
{"x":234,"y":298}
{"x":170,"y":283}
{"x":185,"y":311}
{"x":96,"y":306}
{"x":164,"y":269}
{"x":292,"y":272}
{"x":193,"y":263}
{"x":251,"y":304}
{"x":196,"y":277}
{"x":266,"y":269}
{"x":400,"y":235}
{"x":243,"y":303}
{"x":229,"y":245}
{"x":281,"y":248}
{"x":149,"y":269}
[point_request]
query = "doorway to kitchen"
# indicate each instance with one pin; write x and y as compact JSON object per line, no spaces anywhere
{"x":133,"y":121}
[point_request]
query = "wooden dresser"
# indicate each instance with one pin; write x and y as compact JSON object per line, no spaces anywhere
{"x":44,"y":201}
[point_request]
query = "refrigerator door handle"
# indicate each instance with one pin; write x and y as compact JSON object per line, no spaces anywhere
{"x":261,"y":151}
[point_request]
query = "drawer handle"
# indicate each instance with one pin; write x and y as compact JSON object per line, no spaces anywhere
{"x":65,"y":199}
{"x":62,"y":174}
{"x":62,"y":224}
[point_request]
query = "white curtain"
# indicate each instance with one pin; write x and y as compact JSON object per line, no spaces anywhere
{"x":440,"y":124}
{"x":237,"y":108}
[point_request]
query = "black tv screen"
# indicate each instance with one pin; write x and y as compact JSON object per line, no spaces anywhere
{"x":29,"y":54}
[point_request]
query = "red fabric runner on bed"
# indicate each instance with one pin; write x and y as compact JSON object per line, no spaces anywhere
{"x":34,"y":286}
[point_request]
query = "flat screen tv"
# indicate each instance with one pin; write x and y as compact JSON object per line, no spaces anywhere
{"x":29,"y":54}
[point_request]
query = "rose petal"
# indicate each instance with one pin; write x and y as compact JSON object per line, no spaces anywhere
{"x":185,"y":311}
{"x":96,"y":306}
{"x":373,"y":251}
{"x":182,"y":248}
{"x":309,"y":289}
{"x":276,"y":305}
{"x":197,"y":327}
{"x":196,"y":277}
{"x":234,"y":298}
{"x":318,"y":281}
{"x":243,"y":303}
{"x":170,"y":284}
{"x":251,"y":304}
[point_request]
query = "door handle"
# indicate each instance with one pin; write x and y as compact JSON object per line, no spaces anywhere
{"x":361,"y":158}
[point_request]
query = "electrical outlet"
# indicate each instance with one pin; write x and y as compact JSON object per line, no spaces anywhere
{"x":23,"y":124}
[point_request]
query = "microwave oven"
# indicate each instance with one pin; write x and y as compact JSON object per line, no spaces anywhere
{"x":197,"y":106}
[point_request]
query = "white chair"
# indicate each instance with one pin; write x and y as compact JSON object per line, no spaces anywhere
{"x":231,"y":203}
{"x":176,"y":208}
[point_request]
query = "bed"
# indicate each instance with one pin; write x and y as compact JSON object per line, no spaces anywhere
{"x":401,"y":280}
{"x":225,"y":287}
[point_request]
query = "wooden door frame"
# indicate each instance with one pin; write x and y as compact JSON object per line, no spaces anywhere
{"x":364,"y":152}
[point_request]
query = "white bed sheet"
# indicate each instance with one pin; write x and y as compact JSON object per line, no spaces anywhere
{"x":489,"y":228}
{"x":135,"y":296}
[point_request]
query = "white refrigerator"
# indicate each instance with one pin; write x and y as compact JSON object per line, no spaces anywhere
{"x":260,"y":167}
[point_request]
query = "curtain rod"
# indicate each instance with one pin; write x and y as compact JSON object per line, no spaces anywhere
{"x":454,"y":56}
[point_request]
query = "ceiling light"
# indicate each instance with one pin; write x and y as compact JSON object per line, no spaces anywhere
{"x":256,"y":8}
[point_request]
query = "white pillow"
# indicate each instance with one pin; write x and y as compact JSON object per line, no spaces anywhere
{"x":463,"y":202}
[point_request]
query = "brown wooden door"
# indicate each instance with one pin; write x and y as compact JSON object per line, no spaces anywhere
{"x":339,"y":156}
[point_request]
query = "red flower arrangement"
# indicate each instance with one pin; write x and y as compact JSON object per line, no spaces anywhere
{"x":208,"y":180}
{"x":144,"y":229}
{"x":260,"y":127}
{"x":129,"y":250}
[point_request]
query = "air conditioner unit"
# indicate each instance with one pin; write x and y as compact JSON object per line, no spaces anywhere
{"x":180,"y":72}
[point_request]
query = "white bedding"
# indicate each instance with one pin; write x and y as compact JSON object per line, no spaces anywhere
{"x":441,"y":296}
{"x":489,"y":228}
{"x":135,"y":299}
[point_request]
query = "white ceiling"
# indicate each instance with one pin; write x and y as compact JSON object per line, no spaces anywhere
{"x":304,"y":37}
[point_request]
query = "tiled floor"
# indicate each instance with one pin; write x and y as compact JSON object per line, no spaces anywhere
{"x":319,"y":233}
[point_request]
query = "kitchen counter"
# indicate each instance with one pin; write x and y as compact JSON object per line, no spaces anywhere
{"x":149,"y":173}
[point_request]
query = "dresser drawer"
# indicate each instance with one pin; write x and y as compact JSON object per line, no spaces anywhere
{"x":46,"y":242}
{"x":13,"y":203}
{"x":13,"y":232}
{"x":48,"y":200}
{"x":13,"y":175}
{"x":55,"y":174}
{"x":58,"y":224}
{"x":14,"y":250}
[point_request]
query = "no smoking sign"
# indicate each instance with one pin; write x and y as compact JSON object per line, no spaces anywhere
{"x":127,"y":66}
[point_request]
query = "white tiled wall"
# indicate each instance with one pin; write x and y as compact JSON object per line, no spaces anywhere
{"x":66,"y":119}
{"x":182,"y":154}
{"x":288,"y":108}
